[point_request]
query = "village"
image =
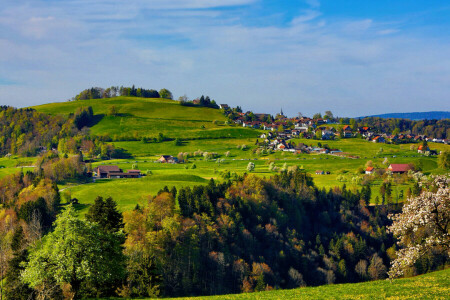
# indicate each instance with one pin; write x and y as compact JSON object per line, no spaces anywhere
{"x":281,"y":130}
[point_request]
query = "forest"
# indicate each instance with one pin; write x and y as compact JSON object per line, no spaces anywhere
{"x":249,"y":234}
{"x":28,"y":133}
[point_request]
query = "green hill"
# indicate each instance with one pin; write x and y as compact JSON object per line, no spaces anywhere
{"x":434,"y":285}
{"x":139,"y":117}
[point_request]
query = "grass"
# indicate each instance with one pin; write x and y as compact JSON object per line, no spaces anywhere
{"x":139,"y":117}
{"x":15,"y":164}
{"x":434,"y":285}
{"x":129,"y":192}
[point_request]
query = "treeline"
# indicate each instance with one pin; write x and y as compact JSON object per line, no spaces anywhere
{"x":114,"y":91}
{"x":439,"y":129}
{"x":255,"y":234}
{"x":202,"y":101}
{"x":26,"y":131}
{"x":251,"y":234}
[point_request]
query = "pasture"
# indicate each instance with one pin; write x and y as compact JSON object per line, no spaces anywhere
{"x":428,"y":286}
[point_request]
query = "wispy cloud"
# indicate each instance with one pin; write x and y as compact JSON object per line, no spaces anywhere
{"x":309,"y":64}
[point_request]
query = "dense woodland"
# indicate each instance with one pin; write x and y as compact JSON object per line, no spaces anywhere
{"x":250,"y":234}
{"x":27,"y":132}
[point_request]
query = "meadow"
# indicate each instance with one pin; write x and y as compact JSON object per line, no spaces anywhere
{"x":428,"y":286}
{"x":138,"y":117}
{"x":205,"y":129}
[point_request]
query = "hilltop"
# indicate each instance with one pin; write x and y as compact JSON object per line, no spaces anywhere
{"x":430,"y":115}
{"x":137,"y":117}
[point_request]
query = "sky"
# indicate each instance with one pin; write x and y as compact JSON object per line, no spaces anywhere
{"x":354,"y":58}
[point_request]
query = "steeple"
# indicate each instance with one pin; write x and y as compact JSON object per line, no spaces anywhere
{"x":281,"y":113}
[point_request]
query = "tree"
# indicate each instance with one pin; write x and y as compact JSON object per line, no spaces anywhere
{"x":165,"y":93}
{"x":377,"y":270}
{"x":423,"y":226}
{"x":78,"y":253}
{"x":113,"y":111}
{"x":251,"y":167}
{"x":444,"y":160}
{"x":317,"y":116}
{"x":328,"y":114}
{"x":318,"y":134}
{"x":105,"y":213}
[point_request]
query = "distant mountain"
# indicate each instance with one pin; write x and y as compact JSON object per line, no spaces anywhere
{"x":430,"y":115}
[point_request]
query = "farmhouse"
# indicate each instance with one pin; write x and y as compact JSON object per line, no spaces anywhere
{"x":399,"y":168}
{"x":320,"y":172}
{"x":224,"y":106}
{"x":422,"y":149}
{"x":103,"y":171}
{"x":370,"y":170}
{"x":115,"y":172}
{"x":168,"y":159}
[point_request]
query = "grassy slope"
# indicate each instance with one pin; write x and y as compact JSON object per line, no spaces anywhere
{"x":148,"y":117}
{"x":434,"y":285}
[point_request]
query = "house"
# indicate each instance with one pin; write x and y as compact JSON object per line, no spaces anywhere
{"x":370,"y":170}
{"x":196,"y":101}
{"x":423,"y":149}
{"x":347,"y":131}
{"x":320,"y":172}
{"x":399,"y":168}
{"x":378,"y":139}
{"x":104,"y":171}
{"x":169,"y":159}
{"x":224,"y":106}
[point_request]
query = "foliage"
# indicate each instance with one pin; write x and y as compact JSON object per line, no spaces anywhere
{"x":25,"y":131}
{"x":105,"y":214}
{"x":422,"y":226}
{"x":77,"y":253}
{"x":166,"y":94}
{"x":444,"y":160}
{"x":254,"y":234}
{"x":432,"y":128}
{"x":100,"y":93}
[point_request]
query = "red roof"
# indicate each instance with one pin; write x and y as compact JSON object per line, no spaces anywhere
{"x":346,"y":127}
{"x":369,"y":169}
{"x":399,"y":167}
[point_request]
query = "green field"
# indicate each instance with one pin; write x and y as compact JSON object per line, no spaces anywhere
{"x":195,"y":125}
{"x":434,"y":285}
{"x":139,"y":117}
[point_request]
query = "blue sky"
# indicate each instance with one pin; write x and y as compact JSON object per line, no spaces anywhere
{"x":351,"y":57}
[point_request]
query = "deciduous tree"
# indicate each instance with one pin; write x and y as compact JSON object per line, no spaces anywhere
{"x":422,"y":226}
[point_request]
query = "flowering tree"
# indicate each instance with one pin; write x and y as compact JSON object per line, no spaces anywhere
{"x":423,"y":225}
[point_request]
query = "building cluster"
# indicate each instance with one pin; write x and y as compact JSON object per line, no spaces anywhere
{"x":393,"y":168}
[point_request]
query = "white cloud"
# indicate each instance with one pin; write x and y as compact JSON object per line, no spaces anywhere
{"x":56,"y":48}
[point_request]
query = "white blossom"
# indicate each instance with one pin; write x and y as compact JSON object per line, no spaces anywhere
{"x":423,"y":224}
